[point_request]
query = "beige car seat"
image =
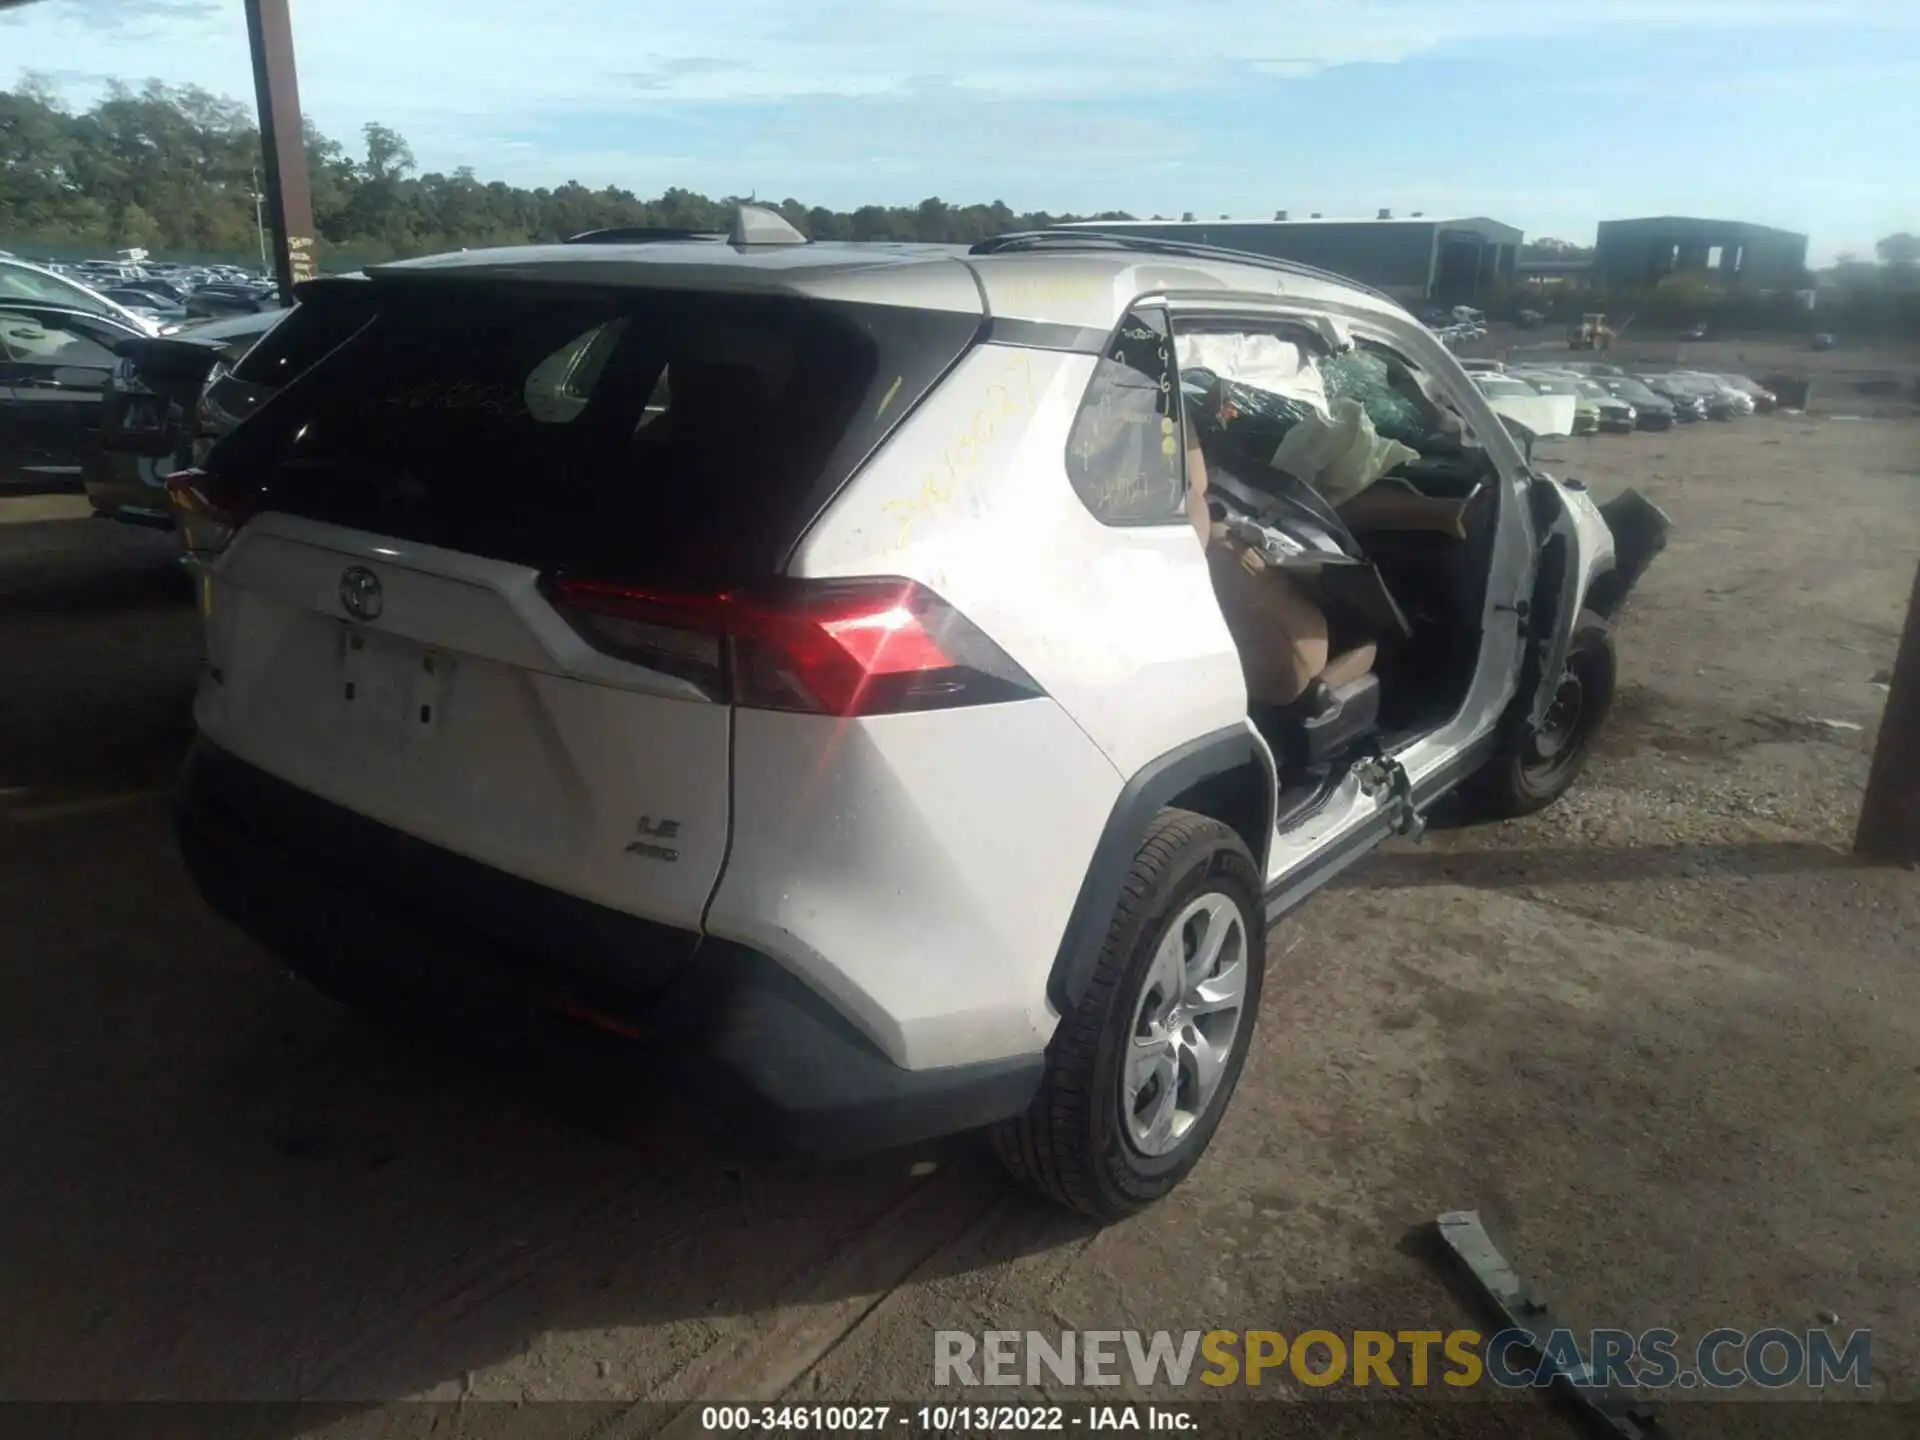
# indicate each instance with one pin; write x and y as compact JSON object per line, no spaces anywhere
{"x":1277,"y":626}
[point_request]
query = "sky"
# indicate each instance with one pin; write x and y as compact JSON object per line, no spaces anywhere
{"x":1547,"y":114}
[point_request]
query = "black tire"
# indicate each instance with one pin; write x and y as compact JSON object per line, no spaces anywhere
{"x":1536,"y":767}
{"x":1073,"y":1144}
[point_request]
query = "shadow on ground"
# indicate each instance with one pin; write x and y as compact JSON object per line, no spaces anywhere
{"x":237,"y":1190}
{"x":1595,"y":865}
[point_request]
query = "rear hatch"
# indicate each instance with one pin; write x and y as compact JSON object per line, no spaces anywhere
{"x":330,"y":311}
{"x":483,"y":555}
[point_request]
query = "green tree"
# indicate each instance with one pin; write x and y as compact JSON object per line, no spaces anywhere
{"x":389,"y":157}
{"x":175,"y":169}
{"x":1900,"y":251}
{"x":137,"y":228}
{"x":1548,"y":248}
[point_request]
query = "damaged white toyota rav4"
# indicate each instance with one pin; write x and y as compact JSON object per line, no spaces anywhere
{"x":904,"y":684}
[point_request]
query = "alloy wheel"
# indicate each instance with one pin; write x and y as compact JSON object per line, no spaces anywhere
{"x":1186,"y":1023}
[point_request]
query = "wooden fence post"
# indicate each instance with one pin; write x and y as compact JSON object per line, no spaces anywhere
{"x":283,"y":144}
{"x":1890,"y":814}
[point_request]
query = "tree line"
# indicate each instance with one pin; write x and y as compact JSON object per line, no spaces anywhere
{"x":174,"y":170}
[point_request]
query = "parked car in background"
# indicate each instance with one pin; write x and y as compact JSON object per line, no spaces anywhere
{"x":148,"y":305}
{"x":1651,"y":411}
{"x":172,"y":291}
{"x":1694,"y":332}
{"x":1723,"y":401}
{"x":1499,"y":386}
{"x":149,"y":415}
{"x":1586,"y":414}
{"x":1528,"y":413}
{"x":1688,"y":405}
{"x":1489,"y":367}
{"x":1617,"y":416}
{"x":106,"y":272}
{"x":1763,"y":398}
{"x":1594,"y":368}
{"x":54,"y":367}
{"x":1825,"y":341}
{"x":226,"y":297}
{"x":21,"y":283}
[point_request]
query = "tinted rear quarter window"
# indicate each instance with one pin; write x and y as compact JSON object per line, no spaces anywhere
{"x":1126,"y":457}
{"x":313,"y":328}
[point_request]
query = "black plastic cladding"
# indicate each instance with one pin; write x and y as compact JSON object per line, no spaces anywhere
{"x":1144,"y":796}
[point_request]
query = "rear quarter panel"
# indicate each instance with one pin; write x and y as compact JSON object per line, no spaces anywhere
{"x":971,"y":498}
{"x":920,"y":869}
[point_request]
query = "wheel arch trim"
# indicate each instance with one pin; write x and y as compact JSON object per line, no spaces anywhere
{"x":1212,"y":759}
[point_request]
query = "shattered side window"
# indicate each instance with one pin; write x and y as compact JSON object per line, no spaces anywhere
{"x":1125,"y":454}
{"x":1389,"y":390}
{"x":1246,"y":388}
{"x":1277,"y":395}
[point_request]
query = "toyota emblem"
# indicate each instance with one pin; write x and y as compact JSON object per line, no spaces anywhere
{"x":360,"y":593}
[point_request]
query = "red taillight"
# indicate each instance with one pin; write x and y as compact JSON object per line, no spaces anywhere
{"x":207,"y":515}
{"x":836,"y":647}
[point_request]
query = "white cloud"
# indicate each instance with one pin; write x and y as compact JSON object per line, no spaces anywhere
{"x":404,"y":61}
{"x":881,"y":95}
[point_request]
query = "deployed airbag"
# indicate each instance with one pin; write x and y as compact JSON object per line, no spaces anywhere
{"x":1339,"y":454}
{"x":1260,"y":361}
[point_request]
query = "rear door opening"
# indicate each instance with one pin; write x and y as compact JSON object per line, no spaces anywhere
{"x":502,"y":562}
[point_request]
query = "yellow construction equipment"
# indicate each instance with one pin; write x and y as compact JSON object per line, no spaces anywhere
{"x":1591,"y":333}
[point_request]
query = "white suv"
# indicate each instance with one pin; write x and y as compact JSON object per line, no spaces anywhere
{"x":802,"y":655}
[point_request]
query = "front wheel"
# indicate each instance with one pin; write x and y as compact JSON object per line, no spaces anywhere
{"x":1536,"y":767}
{"x":1140,"y":1071}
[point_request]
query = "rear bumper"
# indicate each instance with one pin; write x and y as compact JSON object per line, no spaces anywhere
{"x":352,"y":904}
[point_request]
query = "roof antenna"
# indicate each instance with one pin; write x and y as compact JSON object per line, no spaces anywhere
{"x":759,"y":225}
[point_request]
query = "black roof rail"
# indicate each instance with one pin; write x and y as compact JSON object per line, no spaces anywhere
{"x":1077,"y":238}
{"x":640,"y":235}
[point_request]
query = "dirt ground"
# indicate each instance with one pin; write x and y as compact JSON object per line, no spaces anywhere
{"x":1665,"y":1037}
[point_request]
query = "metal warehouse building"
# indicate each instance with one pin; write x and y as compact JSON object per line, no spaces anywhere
{"x":1638,"y":254}
{"x":1411,"y":258}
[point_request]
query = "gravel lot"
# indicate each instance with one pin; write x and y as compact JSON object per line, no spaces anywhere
{"x":1666,"y":1037}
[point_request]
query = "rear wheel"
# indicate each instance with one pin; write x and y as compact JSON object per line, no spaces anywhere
{"x":1539,"y":765}
{"x":1140,"y":1072}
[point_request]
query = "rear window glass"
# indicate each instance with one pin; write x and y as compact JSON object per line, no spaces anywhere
{"x":645,"y":434}
{"x":313,"y":328}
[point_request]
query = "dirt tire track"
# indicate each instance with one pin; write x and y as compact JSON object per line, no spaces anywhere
{"x":768,"y":1355}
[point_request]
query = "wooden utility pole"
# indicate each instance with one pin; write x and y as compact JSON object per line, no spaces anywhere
{"x":283,"y":143}
{"x":1890,"y":814}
